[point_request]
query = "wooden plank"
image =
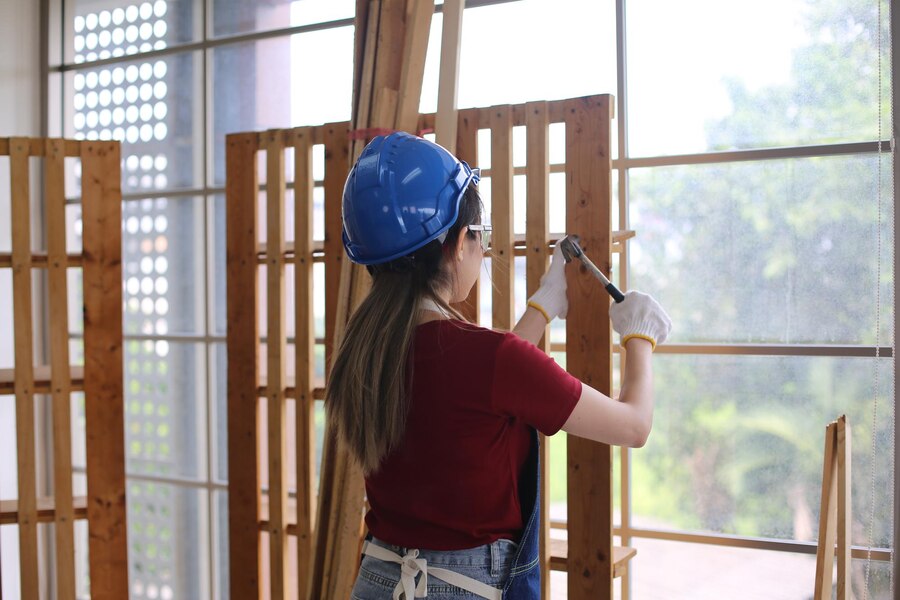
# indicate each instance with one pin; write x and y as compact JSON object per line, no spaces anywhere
{"x":827,"y":517}
{"x":55,"y":211}
{"x":46,"y":510}
{"x":467,"y":150}
{"x":276,"y":346}
{"x":389,"y":50}
{"x":24,"y":369}
{"x":537,"y":233}
{"x":305,"y":358}
{"x":589,"y":213}
{"x":446,"y":121}
{"x":559,"y":557}
{"x":241,"y":186}
{"x":41,"y":380}
{"x":39,"y":260}
{"x":103,"y":387}
{"x":35,"y":146}
{"x":363,"y":89}
{"x":503,"y":271}
{"x":415,"y":46}
{"x":336,"y":168}
{"x":844,"y":512}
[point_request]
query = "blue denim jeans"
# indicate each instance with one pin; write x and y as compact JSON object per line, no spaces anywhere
{"x":489,"y":563}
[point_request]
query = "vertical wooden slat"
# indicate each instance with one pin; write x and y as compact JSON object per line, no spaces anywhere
{"x":589,"y":341}
{"x":243,"y":364}
{"x":502,"y":258}
{"x":60,"y":376}
{"x":446,"y":122}
{"x":467,"y":150}
{"x":827,"y":517}
{"x":24,"y":366}
{"x":537,"y":239}
{"x":305,"y":354}
{"x":336,"y":168}
{"x":275,"y":358}
{"x":844,"y":512}
{"x":103,"y":386}
{"x":418,"y":28}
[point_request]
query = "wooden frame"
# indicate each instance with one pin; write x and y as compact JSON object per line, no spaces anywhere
{"x":100,"y":379}
{"x":834,"y":514}
{"x":588,"y":556}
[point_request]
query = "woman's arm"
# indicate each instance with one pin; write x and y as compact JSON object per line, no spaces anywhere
{"x":626,"y":421}
{"x":531,"y":326}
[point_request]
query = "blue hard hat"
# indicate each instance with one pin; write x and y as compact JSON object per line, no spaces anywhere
{"x":402,"y":193}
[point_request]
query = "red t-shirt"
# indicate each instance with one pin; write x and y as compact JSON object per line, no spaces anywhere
{"x":453,"y":481}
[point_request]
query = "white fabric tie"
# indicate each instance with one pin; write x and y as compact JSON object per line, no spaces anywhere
{"x":429,"y":304}
{"x":411,"y":565}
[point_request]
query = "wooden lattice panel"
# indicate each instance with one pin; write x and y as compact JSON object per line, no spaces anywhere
{"x":283,"y":512}
{"x":100,"y":379}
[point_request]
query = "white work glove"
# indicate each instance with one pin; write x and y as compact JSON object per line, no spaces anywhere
{"x":639,"y":315}
{"x":551,"y":298}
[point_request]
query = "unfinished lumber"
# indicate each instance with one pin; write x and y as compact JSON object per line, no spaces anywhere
{"x":467,"y":151}
{"x":588,"y":214}
{"x":241,"y":187}
{"x":103,"y":385}
{"x":276,"y":347}
{"x":537,"y":242}
{"x":24,"y":370}
{"x":503,"y":265}
{"x":445,"y":121}
{"x":60,"y":375}
{"x":305,"y":356}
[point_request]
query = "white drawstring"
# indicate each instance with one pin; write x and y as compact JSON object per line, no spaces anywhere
{"x":411,"y":565}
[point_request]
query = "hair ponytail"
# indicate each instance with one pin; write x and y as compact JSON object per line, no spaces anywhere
{"x":366,"y":398}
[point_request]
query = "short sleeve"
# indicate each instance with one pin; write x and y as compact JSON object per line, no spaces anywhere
{"x":529,"y":385}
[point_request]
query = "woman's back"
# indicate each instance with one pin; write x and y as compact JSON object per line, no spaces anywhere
{"x":474,"y":397}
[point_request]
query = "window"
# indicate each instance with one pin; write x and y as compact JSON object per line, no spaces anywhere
{"x":749,"y":170}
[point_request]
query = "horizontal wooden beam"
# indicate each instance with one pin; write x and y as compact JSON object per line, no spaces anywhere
{"x":39,"y":260}
{"x":38,"y":147}
{"x":559,"y":557}
{"x":46,"y":510}
{"x":41,"y":380}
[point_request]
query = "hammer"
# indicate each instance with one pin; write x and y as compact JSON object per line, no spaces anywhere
{"x":571,"y":249}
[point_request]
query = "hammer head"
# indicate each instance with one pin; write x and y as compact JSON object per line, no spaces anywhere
{"x":570,"y":248}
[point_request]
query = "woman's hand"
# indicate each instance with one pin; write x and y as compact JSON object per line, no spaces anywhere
{"x":640,"y":316}
{"x":550,"y":299}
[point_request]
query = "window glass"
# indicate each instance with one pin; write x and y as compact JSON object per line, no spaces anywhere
{"x":537,"y":50}
{"x":764,"y":252}
{"x":297,"y":83}
{"x":231,"y":18}
{"x":699,"y":79}
{"x":153,"y":107}
{"x":168,"y":549}
{"x":165,"y":414}
{"x":738,"y":442}
{"x":102,"y":29}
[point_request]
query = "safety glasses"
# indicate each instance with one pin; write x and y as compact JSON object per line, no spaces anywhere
{"x":485,"y":235}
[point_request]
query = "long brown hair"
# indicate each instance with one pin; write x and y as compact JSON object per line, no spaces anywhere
{"x":366,"y":398}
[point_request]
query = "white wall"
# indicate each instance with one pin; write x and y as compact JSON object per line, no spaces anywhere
{"x":19,"y":115}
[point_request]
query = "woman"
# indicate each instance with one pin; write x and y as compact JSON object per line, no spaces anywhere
{"x":442,"y":414}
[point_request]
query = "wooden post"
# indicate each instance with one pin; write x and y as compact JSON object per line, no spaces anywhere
{"x":589,"y":344}
{"x":60,"y":374}
{"x":275,"y":354}
{"x":446,"y":122}
{"x":103,"y":384}
{"x":537,"y":241}
{"x":243,"y":365}
{"x":24,"y":366}
{"x":467,"y":150}
{"x":503,"y":264}
{"x":304,"y":337}
{"x":834,"y":514}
